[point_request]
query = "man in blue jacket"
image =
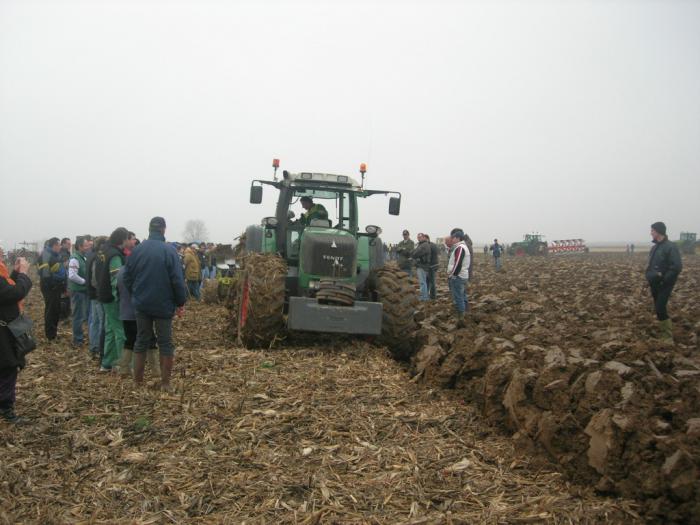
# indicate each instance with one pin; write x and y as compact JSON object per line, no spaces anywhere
{"x":153,"y":276}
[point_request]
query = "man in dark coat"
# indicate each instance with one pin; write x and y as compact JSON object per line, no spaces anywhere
{"x":52,"y":278}
{"x":153,"y":276}
{"x":13,"y":289}
{"x":662,"y":272}
{"x":434,"y":264}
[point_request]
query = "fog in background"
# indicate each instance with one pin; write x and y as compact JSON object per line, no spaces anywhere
{"x":574,"y":119}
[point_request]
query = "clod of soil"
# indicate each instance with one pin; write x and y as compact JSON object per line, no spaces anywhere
{"x":561,"y":352}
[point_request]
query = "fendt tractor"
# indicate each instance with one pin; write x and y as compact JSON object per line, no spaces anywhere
{"x":320,"y":274}
{"x":687,"y":243}
{"x":532,"y":244}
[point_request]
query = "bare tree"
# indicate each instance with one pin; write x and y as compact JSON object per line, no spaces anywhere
{"x":195,"y":230}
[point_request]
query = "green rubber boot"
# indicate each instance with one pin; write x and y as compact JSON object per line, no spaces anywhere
{"x":666,"y":331}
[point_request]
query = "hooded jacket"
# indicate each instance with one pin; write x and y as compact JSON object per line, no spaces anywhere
{"x":193,"y":267}
{"x":153,"y":276}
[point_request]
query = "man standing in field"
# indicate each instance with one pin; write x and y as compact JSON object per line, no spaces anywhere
{"x":404,"y":249}
{"x":153,"y":276}
{"x":497,"y":251}
{"x":458,"y":273}
{"x":662,"y":272}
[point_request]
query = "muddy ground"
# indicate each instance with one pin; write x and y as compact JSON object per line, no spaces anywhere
{"x":562,"y":355}
{"x":325,"y":431}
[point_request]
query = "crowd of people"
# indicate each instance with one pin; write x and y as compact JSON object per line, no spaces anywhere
{"x":127,"y":293}
{"x":124,"y":291}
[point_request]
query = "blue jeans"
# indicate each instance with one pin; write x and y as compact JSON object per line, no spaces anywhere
{"x":498,"y":262}
{"x":163,"y":334}
{"x":97,"y":324}
{"x":81,"y":308}
{"x":458,"y":287}
{"x":423,"y":283}
{"x":193,"y":289}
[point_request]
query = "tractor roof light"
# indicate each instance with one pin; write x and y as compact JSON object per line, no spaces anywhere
{"x":342,"y":178}
{"x":269,"y":222}
{"x":373,"y":230}
{"x":307,"y":176}
{"x":363,"y":170}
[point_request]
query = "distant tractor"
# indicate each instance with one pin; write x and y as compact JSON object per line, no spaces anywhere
{"x":532,"y":244}
{"x":687,"y":243}
{"x":320,"y":273}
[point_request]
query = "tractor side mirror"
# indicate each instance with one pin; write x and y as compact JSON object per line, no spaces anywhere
{"x":255,"y":194}
{"x":394,"y":205}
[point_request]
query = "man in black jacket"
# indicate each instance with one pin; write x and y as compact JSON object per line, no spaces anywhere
{"x":52,"y":275}
{"x":434,"y":264}
{"x":421,"y":257}
{"x":662,"y":272}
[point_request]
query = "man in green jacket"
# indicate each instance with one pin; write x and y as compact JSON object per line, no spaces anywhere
{"x":404,"y":249}
{"x":662,"y":272}
{"x":77,"y":286}
{"x":110,"y":260}
{"x":313,"y":211}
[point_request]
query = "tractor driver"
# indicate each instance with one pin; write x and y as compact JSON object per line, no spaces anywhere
{"x":313,"y":211}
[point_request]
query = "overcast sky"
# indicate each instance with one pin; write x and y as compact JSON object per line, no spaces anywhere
{"x":574,"y":119}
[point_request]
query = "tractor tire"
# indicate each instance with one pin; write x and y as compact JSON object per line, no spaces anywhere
{"x":256,"y":301}
{"x":393,"y":288}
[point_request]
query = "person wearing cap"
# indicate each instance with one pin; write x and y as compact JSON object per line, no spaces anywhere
{"x":193,"y":270}
{"x":458,"y":273}
{"x":153,"y":275}
{"x":404,"y":250}
{"x":313,"y":211}
{"x":662,"y":272}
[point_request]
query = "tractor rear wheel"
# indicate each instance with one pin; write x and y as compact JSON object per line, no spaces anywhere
{"x":257,"y":300}
{"x":393,"y":288}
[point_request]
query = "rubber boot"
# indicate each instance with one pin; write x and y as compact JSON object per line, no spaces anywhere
{"x":8,"y":414}
{"x":139,"y":366}
{"x":125,"y":363}
{"x":153,"y":362}
{"x":166,"y":368}
{"x":666,"y":331}
{"x":460,"y":319}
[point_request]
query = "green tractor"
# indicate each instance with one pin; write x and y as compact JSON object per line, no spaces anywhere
{"x":320,"y":273}
{"x":532,"y":244}
{"x":687,"y":243}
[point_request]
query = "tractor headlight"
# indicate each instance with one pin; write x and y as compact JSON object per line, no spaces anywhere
{"x":373,"y":230}
{"x":314,"y":285}
{"x":269,"y":222}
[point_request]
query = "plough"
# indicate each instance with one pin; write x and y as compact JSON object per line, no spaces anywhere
{"x":568,"y":246}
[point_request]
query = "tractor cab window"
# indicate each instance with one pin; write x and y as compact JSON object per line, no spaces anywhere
{"x":325,"y":208}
